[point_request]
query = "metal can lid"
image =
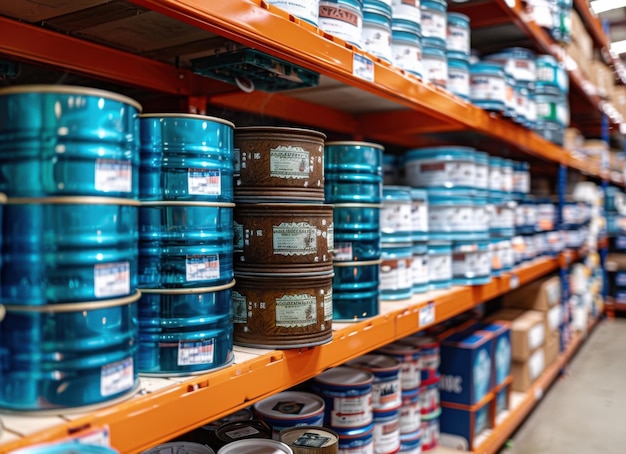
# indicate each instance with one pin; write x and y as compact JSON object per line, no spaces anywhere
{"x":375,"y":363}
{"x":309,"y":437}
{"x":290,"y":405}
{"x":345,"y":376}
{"x":180,"y":446}
{"x":255,"y":446}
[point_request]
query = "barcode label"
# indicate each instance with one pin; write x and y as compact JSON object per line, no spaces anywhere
{"x":191,"y":353}
{"x":204,"y":182}
{"x":111,"y":279}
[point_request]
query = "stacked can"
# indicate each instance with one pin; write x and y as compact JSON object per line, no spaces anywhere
{"x":434,"y":36}
{"x":396,"y":228}
{"x":185,"y":244}
{"x":410,"y":379}
{"x":376,"y":33}
{"x":428,"y":388}
{"x":69,"y":163}
{"x":501,"y":209}
{"x":551,"y":100}
{"x":283,"y":239}
{"x":517,"y":67}
{"x":353,"y":184}
{"x":343,"y":19}
{"x":386,"y":399}
{"x":406,"y":36}
{"x":458,"y":53}
{"x":552,"y":15}
{"x":347,"y":393}
{"x":458,"y":233}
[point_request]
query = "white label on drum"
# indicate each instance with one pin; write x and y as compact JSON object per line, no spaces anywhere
{"x":343,"y":252}
{"x":289,"y":162}
{"x":202,"y":267}
{"x":236,"y":161}
{"x":352,"y":411}
{"x":191,"y":353}
{"x":111,"y":279}
{"x":241,"y":433}
{"x":204,"y":182}
{"x":239,"y":308}
{"x":296,"y":310}
{"x":113,"y":176}
{"x":238,"y":240}
{"x":328,"y":306}
{"x":330,"y":237}
{"x":116,"y":377}
{"x":294,"y":238}
{"x":364,"y":449}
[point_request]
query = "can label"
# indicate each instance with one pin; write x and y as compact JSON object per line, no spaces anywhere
{"x":377,"y":40}
{"x":343,"y":252}
{"x":419,"y":269}
{"x":304,"y":9}
{"x":111,"y":279}
{"x":395,"y":274}
{"x":204,"y":182}
{"x":458,"y":39}
{"x":289,"y":162}
{"x":191,"y":353}
{"x":459,"y":82}
{"x":241,"y":433}
{"x":483,"y":88}
{"x":116,"y":377}
{"x":410,"y":416}
{"x":481,"y":176}
{"x":240,"y":313}
{"x":407,"y":56}
{"x":386,"y":394}
{"x":452,"y":219}
{"x":238,"y":237}
{"x":236,"y":162}
{"x":330,"y":237}
{"x":471,"y":264}
{"x":439,"y":267}
{"x":202,"y":267}
{"x":328,"y":306}
{"x":351,"y":411}
{"x":407,"y":10}
{"x":419,"y":216}
{"x":434,"y":24}
{"x":296,"y":311}
{"x":429,"y":399}
{"x":438,"y":173}
{"x":341,"y":21}
{"x":435,"y":70}
{"x":311,"y":440}
{"x":395,"y":217}
{"x":294,"y":238}
{"x":387,"y":436}
{"x":113,"y":176}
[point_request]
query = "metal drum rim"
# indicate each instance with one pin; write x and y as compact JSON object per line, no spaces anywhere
{"x":358,"y":263}
{"x":188,"y":291}
{"x":75,"y":307}
{"x":69,"y":90}
{"x":357,"y":205}
{"x":355,"y":143}
{"x":188,"y":116}
{"x":3,"y":198}
{"x":277,"y":129}
{"x":191,"y":203}
{"x":229,"y":362}
{"x":249,"y":205}
{"x":72,"y":200}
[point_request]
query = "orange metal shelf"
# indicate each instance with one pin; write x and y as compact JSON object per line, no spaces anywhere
{"x":166,"y":409}
{"x":503,"y":431}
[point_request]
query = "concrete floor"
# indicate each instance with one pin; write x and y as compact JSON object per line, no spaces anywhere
{"x":585,"y":411}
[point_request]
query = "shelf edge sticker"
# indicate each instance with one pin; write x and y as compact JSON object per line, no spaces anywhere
{"x":363,"y":67}
{"x":514,"y":281}
{"x":427,"y":315}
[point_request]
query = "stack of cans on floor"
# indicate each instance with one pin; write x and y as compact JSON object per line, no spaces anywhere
{"x":353,"y":174}
{"x":283,"y":239}
{"x":69,"y":163}
{"x":185,"y":244}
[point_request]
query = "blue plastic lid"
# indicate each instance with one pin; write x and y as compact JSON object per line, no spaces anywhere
{"x":406,"y":26}
{"x":549,"y":91}
{"x":443,"y":153}
{"x":546,"y":60}
{"x":419,"y":248}
{"x":521,"y":165}
{"x":481,"y":157}
{"x":450,"y":193}
{"x":458,"y":60}
{"x":352,"y":432}
{"x":432,"y":43}
{"x":418,"y":194}
{"x":470,"y":246}
{"x":458,"y":19}
{"x":377,"y":8}
{"x":402,"y":193}
{"x":518,"y":53}
{"x":439,"y":5}
{"x":389,"y":159}
{"x":507,"y":163}
{"x":496,"y":161}
{"x":487,"y":68}
{"x":437,"y":247}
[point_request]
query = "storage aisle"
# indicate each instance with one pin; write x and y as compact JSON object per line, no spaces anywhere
{"x":583,"y":412}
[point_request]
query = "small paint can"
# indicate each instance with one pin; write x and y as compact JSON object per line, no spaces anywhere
{"x":255,"y":446}
{"x":429,"y":399}
{"x":430,"y":434}
{"x":411,"y":443}
{"x":356,"y":232}
{"x":347,"y":393}
{"x":386,"y":389}
{"x":376,"y":33}
{"x":274,"y":312}
{"x":231,"y":431}
{"x":387,"y":430}
{"x":290,"y":409}
{"x":311,"y":440}
{"x":307,"y":10}
{"x":343,"y":19}
{"x":278,"y":164}
{"x":410,"y":412}
{"x":180,"y":446}
{"x":356,"y":441}
{"x":355,"y":290}
{"x":410,"y":363}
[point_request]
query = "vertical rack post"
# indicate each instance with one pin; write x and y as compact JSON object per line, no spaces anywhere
{"x":564,"y":259}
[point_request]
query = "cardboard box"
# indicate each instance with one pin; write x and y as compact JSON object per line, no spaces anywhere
{"x":553,"y":319}
{"x":500,"y":350}
{"x":602,"y":77}
{"x":461,"y":425}
{"x":527,"y":332}
{"x":539,"y":295}
{"x":502,"y":399}
{"x":552,"y":348}
{"x":526,"y":372}
{"x":580,"y":37}
{"x":465,"y":367}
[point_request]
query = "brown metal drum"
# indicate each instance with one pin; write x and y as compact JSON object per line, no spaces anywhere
{"x":310,"y":440}
{"x":275,"y":312}
{"x":283,"y":238}
{"x":277,"y":163}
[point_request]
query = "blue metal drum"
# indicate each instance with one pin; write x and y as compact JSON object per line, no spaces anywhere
{"x":185,"y":244}
{"x":353,"y":188}
{"x":186,"y":157}
{"x":69,"y":355}
{"x":357,"y":232}
{"x":185,"y":330}
{"x":70,"y":447}
{"x":353,"y":157}
{"x":355,"y":290}
{"x":62,"y":250}
{"x":63,"y":140}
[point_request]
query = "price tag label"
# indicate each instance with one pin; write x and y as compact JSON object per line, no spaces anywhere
{"x":363,"y":67}
{"x":538,"y":393}
{"x":98,"y":437}
{"x":511,"y":3}
{"x":427,"y":315}
{"x":514,"y":282}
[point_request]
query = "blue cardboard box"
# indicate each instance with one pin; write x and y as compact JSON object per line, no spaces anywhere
{"x":500,"y":351}
{"x":465,"y":367}
{"x":460,"y":425}
{"x":502,"y":398}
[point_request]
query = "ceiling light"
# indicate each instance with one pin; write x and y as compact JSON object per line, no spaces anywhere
{"x":619,"y":47}
{"x":601,"y":6}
